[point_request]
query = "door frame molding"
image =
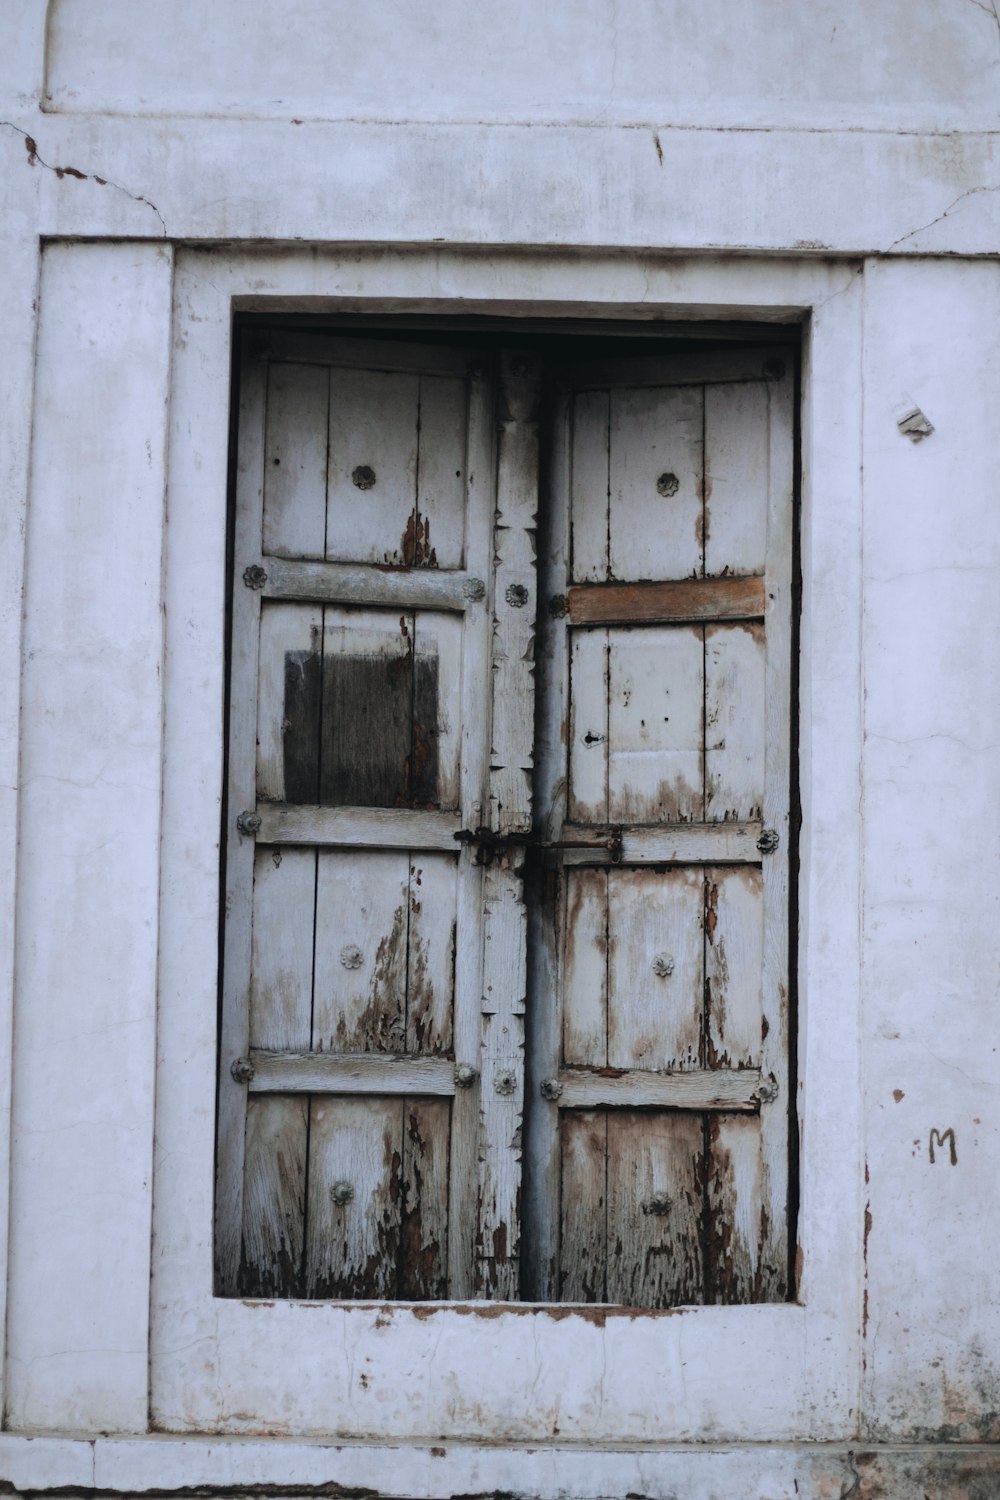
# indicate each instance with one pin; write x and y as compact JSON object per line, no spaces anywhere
{"x":534,"y":1374}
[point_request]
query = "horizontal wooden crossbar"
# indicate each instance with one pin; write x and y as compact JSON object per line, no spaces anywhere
{"x":693,"y":599}
{"x":671,"y":844}
{"x":361,"y":1073}
{"x":357,"y":827}
{"x":353,"y":583}
{"x":740,"y":1091}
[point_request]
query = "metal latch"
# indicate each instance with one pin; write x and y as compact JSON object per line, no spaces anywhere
{"x":490,"y":843}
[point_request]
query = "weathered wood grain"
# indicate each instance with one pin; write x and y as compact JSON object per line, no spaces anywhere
{"x":510,"y":809}
{"x":430,"y":954}
{"x":655,"y":743}
{"x":394,"y":588}
{"x":298,"y":399}
{"x":585,"y":969}
{"x":684,"y":843}
{"x":360,"y":827}
{"x":355,"y":1201}
{"x":588,"y":483}
{"x":362,"y":1073}
{"x":691,"y":1089}
{"x":735,"y":722}
{"x":736,"y":478}
{"x":441,"y":469}
{"x":373,"y":432}
{"x":274,"y":1197}
{"x":281,"y":975}
{"x":655,"y":968}
{"x":655,"y":525}
{"x":423,"y":1232}
{"x":289,"y":702}
{"x":587,"y":692}
{"x":654,"y":1209}
{"x":676,"y":599}
{"x":583,"y":1236}
{"x":361,"y":951}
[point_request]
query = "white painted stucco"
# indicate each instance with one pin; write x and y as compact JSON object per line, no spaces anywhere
{"x":835,"y":162}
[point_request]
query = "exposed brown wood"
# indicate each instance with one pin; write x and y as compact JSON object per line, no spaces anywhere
{"x":355,"y":1198}
{"x":274,"y":1197}
{"x":661,"y":603}
{"x":361,"y":1073}
{"x":696,"y":1089}
{"x":423,"y":1234}
{"x":654,"y":1209}
{"x":583,"y":1237}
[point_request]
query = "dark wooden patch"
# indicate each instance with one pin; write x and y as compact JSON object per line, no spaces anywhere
{"x":651,"y":603}
{"x":361,"y":731}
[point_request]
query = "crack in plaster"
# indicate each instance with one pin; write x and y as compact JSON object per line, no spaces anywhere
{"x":991,"y":11}
{"x":34,"y":159}
{"x":969,"y":193}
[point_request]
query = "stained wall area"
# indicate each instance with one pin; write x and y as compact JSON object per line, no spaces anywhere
{"x":834,"y":167}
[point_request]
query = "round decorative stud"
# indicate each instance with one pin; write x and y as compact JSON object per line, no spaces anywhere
{"x":351,"y":956}
{"x":465,"y":1076}
{"x":254,"y":577}
{"x":551,"y":1089}
{"x":516,"y":595}
{"x":248,"y":823}
{"x":363,"y":476}
{"x":474,"y":589}
{"x":663,"y":965}
{"x":241,"y":1070}
{"x":505,"y":1082}
{"x":341,"y":1192}
{"x":667,"y":485}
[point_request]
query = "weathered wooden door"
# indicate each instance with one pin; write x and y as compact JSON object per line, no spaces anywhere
{"x":658,"y":1118}
{"x":383,"y":851}
{"x":371,"y":1078}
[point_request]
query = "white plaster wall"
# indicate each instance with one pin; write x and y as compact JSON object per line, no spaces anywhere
{"x":602,"y":130}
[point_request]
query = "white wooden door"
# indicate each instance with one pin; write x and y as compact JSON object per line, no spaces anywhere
{"x":658,"y":1120}
{"x":371,"y":1072}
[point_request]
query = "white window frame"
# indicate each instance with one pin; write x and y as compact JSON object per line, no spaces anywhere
{"x":487,"y":1370}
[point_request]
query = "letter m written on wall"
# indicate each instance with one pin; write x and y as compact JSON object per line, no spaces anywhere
{"x":506,"y":953}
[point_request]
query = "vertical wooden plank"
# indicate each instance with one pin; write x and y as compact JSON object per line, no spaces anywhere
{"x":355,"y":1198}
{"x":367,"y":722}
{"x":441,"y":468}
{"x":547,"y":888}
{"x":736,"y":478}
{"x":510,"y":794}
{"x":239,"y":849}
{"x":745,"y":1254}
{"x":474,"y":720}
{"x":284,"y":898}
{"x":288,"y":702}
{"x":585,"y":968}
{"x":362,"y":927}
{"x":775,"y":867}
{"x":277,"y":1128}
{"x":437,"y":710}
{"x":423,"y":1234}
{"x":655,"y":968}
{"x":583,"y":1239}
{"x":274,"y":1196}
{"x":588,"y":727}
{"x":655,"y":725}
{"x":735,"y":721}
{"x":656,"y":522}
{"x":372,"y":486}
{"x":430,"y":955}
{"x":298,"y":398}
{"x":654,"y":1208}
{"x":589,"y":486}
